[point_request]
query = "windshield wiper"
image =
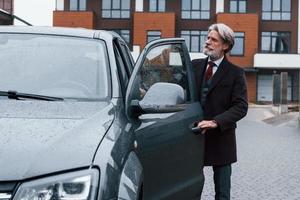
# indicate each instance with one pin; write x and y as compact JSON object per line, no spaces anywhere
{"x":16,"y":95}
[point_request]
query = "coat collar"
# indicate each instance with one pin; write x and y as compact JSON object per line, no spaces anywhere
{"x":217,"y":62}
{"x":222,"y":69}
{"x":200,"y":71}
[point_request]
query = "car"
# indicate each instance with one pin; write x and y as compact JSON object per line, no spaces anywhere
{"x":80,"y":120}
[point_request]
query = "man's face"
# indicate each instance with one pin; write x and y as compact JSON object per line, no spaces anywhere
{"x":214,"y":46}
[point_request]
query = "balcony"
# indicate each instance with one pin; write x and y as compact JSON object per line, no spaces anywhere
{"x":279,"y":61}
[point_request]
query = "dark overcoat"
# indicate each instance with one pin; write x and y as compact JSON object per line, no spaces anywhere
{"x":226,"y":102}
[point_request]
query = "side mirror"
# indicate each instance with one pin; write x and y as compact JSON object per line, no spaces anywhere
{"x":160,"y":98}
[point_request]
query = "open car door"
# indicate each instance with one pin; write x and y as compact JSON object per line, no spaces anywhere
{"x":162,"y":104}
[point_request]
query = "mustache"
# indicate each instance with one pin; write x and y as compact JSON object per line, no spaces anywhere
{"x":208,"y":48}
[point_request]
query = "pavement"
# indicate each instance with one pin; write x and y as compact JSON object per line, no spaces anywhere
{"x":268,"y":166}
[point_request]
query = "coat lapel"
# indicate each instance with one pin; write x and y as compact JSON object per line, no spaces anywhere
{"x":222,"y":69}
{"x":202,"y":71}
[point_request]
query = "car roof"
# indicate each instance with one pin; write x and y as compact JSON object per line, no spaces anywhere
{"x":73,"y":32}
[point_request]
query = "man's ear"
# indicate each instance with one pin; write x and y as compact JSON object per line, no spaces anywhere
{"x":225,"y":47}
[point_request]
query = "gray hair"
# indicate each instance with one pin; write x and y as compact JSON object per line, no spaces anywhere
{"x":225,"y":32}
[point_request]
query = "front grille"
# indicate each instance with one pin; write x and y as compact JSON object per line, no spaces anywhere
{"x":7,"y":189}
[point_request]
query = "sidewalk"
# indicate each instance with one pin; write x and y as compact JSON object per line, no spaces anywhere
{"x":268,"y":166}
{"x":270,"y":115}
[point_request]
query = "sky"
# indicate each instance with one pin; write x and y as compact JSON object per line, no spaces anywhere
{"x":36,"y":12}
{"x":40,"y":12}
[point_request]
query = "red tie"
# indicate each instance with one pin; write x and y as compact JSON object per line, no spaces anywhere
{"x":209,"y":70}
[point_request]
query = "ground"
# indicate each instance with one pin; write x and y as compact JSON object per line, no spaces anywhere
{"x":268,"y":166}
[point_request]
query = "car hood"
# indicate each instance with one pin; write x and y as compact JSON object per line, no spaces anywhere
{"x":38,"y":137}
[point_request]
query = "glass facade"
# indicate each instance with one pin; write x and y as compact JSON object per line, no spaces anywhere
{"x":194,"y":39}
{"x":157,"y":5}
{"x":77,"y":5}
{"x":275,"y":42}
{"x":238,"y":48}
{"x":153,"y":35}
{"x":195,"y":9}
{"x":116,"y":9}
{"x":238,"y":6}
{"x":276,"y":9}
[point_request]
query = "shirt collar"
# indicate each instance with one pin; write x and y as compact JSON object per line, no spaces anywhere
{"x":217,"y":62}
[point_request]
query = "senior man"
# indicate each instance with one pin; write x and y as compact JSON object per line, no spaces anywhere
{"x":222,"y":90}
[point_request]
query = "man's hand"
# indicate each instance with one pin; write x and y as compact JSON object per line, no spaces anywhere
{"x":207,"y":124}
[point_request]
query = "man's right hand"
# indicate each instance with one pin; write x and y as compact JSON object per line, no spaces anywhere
{"x":206,"y":125}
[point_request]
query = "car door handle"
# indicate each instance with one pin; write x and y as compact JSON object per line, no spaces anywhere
{"x":195,"y":129}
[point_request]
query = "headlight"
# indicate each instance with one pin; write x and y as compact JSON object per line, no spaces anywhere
{"x":81,"y":185}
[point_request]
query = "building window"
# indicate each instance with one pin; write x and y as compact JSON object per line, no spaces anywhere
{"x":6,"y":5}
{"x":157,"y":5}
{"x":194,"y":40}
{"x":238,"y":6}
{"x":238,"y":48}
{"x":195,"y":9}
{"x":275,"y":42}
{"x":276,"y":9}
{"x":59,"y":5}
{"x":153,"y":35}
{"x":116,"y":9}
{"x":78,"y":5}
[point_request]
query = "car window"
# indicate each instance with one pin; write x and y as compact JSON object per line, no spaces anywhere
{"x":164,"y":63}
{"x":127,"y":57}
{"x":66,"y":67}
{"x":123,"y":75}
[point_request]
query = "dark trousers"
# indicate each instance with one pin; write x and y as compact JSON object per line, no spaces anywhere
{"x":222,"y":181}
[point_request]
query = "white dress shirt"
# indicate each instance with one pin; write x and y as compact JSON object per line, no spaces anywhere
{"x":217,"y":64}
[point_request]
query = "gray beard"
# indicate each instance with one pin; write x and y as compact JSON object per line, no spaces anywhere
{"x":212,"y":54}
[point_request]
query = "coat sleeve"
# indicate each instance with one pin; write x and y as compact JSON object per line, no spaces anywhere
{"x":238,"y":105}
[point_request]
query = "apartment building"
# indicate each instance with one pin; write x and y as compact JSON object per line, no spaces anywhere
{"x":6,"y":5}
{"x":266,"y":31}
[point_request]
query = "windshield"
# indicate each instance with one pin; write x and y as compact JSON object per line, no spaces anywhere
{"x":66,"y":67}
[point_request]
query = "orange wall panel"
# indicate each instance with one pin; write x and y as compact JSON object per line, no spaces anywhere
{"x":143,"y":22}
{"x":251,"y":86}
{"x":249,"y":24}
{"x":83,"y":19}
